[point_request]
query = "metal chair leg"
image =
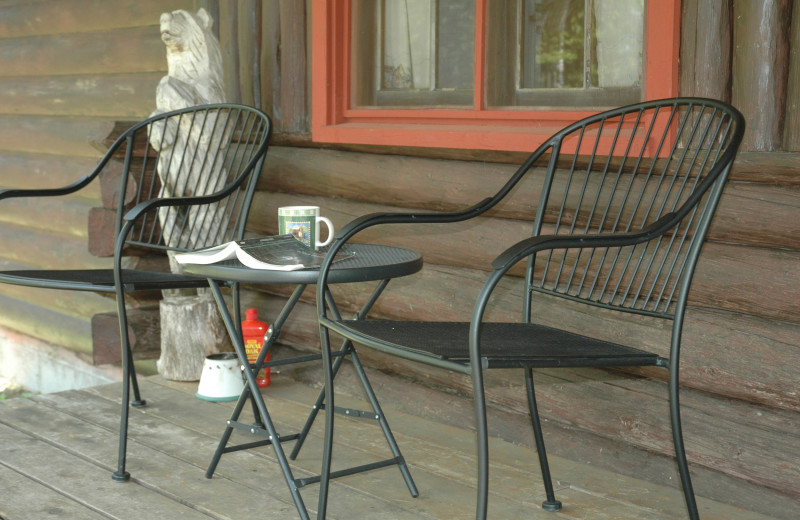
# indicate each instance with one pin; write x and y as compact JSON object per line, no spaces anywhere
{"x":551,"y":504}
{"x":128,"y":380}
{"x":137,"y":402}
{"x":479,"y":398}
{"x":680,"y":450}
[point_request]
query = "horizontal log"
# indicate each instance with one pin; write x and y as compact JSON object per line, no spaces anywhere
{"x":633,"y":411}
{"x":21,"y":19}
{"x":102,"y":236}
{"x":119,"y":50}
{"x":28,"y":170}
{"x":415,"y":182}
{"x":750,"y":214}
{"x":770,"y":167}
{"x":104,"y":95}
{"x":59,"y":215}
{"x":750,"y":280}
{"x":52,"y":135}
{"x":758,"y":214}
{"x":734,"y":439}
{"x":724,"y":278}
{"x":144,"y":333}
{"x":52,"y":327}
{"x":76,"y":304}
{"x":43,"y":249}
{"x":719,"y":348}
{"x":102,"y":142}
{"x":564,"y":440}
{"x":763,"y":167}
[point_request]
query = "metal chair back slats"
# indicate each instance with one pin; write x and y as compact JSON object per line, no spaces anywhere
{"x":626,"y":201}
{"x":182,"y":180}
{"x":192,"y":153}
{"x":621,"y":172}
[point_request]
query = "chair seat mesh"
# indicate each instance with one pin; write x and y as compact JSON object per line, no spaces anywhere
{"x":503,"y":345}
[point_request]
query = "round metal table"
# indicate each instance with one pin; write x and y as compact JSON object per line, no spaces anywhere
{"x":368,"y":262}
{"x":362,"y":263}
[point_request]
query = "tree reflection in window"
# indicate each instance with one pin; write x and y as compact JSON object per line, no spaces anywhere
{"x":538,"y":52}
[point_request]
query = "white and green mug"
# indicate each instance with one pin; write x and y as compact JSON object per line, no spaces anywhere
{"x":303,"y":223}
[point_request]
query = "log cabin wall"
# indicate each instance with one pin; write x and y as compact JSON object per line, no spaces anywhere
{"x":70,"y":69}
{"x":742,"y":342}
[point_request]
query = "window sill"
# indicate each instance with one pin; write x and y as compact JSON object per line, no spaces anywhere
{"x":476,"y":135}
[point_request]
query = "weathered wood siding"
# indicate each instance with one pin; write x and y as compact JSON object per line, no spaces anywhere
{"x":68,"y":71}
{"x":742,"y":338}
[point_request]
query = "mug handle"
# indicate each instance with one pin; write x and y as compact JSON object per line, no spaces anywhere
{"x":330,"y":231}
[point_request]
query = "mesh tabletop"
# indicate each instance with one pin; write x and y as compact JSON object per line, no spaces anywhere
{"x":368,"y":262}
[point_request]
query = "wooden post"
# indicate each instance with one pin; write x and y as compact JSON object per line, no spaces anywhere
{"x":760,"y":69}
{"x":706,"y":49}
{"x":184,"y":344}
{"x":791,"y":133}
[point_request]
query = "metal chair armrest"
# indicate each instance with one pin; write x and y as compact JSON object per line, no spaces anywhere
{"x":375,"y":219}
{"x":529,"y":246}
{"x":11,"y":193}
{"x":145,"y":206}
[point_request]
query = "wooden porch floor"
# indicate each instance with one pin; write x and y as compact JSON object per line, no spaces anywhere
{"x":57,"y":452}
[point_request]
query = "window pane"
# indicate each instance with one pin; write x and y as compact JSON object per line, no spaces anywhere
{"x":413,"y":52}
{"x":619,"y":33}
{"x":564,"y":52}
{"x":553,"y":44}
{"x":406,"y":44}
{"x":456,"y":44}
{"x":564,"y":48}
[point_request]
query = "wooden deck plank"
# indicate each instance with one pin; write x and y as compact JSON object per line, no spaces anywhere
{"x":248,"y":473}
{"x":364,"y":444}
{"x":17,"y":503}
{"x":587,"y":492}
{"x":85,"y":484}
{"x":72,"y":435}
{"x":155,"y":469}
{"x":438,"y":452}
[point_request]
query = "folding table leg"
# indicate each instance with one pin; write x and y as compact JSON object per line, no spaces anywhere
{"x":347,"y":349}
{"x":252,"y":391}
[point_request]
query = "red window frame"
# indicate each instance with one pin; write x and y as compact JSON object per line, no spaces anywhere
{"x":334,"y":121}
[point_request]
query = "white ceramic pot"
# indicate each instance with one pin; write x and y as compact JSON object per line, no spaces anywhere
{"x":221,"y":379}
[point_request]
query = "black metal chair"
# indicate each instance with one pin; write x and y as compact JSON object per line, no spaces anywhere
{"x":188,"y":178}
{"x":627,"y":198}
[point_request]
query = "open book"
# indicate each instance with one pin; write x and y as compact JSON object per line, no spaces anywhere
{"x":278,"y":253}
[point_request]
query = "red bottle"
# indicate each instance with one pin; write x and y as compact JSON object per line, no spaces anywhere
{"x":253,"y":332}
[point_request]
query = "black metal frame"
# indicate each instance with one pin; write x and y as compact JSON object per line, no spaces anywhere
{"x":626,"y":202}
{"x":369,"y":263}
{"x":221,"y":195}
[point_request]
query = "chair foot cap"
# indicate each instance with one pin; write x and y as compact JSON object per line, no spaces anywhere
{"x":551,"y":506}
{"x":139,"y":403}
{"x":121,"y":477}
